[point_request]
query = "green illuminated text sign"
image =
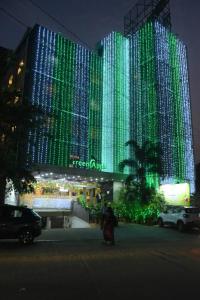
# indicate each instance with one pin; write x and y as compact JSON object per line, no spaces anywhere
{"x":92,"y":164}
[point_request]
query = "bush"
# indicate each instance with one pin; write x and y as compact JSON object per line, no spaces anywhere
{"x":138,"y":212}
{"x":130,"y":211}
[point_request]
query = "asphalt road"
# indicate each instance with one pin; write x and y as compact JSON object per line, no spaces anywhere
{"x":146,"y":263}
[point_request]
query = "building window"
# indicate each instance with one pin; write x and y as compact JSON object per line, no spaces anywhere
{"x":19,"y":71}
{"x":3,"y":137}
{"x":16,"y":99}
{"x":10,"y":80}
{"x":21,"y":64}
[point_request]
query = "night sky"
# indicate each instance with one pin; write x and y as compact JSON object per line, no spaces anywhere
{"x":91,"y":20}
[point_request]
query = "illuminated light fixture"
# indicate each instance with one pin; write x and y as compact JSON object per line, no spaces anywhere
{"x":3,"y":136}
{"x":61,"y":189}
{"x":16,"y":100}
{"x":176,"y":194}
{"x":10,"y":80}
{"x":19,"y":71}
{"x":21,"y":64}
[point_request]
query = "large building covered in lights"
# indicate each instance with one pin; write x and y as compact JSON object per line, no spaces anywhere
{"x":133,"y":86}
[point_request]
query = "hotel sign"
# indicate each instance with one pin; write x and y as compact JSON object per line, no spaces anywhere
{"x":92,"y":164}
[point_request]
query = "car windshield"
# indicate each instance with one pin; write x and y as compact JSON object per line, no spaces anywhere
{"x":192,"y":210}
{"x":35,"y":214}
{"x":31,"y":212}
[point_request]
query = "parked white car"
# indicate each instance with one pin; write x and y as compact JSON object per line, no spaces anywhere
{"x":181,"y":216}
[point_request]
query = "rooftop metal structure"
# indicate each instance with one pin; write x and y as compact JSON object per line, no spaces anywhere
{"x":146,"y":10}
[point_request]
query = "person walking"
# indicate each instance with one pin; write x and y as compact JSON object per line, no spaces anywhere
{"x":108,"y":225}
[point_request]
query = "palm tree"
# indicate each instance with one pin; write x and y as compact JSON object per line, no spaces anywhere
{"x":145,"y":164}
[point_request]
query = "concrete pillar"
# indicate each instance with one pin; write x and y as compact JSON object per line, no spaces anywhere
{"x":117,"y":186}
{"x":67,"y":222}
{"x":48,"y":223}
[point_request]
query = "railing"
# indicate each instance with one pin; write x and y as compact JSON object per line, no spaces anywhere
{"x":80,"y":212}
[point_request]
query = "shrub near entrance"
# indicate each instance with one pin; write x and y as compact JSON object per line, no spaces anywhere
{"x":131,"y":211}
{"x":137,"y":212}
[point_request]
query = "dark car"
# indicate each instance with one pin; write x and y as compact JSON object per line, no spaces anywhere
{"x":19,"y":222}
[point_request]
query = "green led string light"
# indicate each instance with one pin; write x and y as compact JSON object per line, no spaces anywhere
{"x":177,"y":108}
{"x":95,"y":107}
{"x":137,"y":88}
{"x":116,"y":103}
{"x":143,"y":90}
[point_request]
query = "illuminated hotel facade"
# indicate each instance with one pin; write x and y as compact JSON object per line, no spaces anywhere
{"x":160,"y":99}
{"x":88,"y":96}
{"x":131,"y":88}
{"x":134,"y":87}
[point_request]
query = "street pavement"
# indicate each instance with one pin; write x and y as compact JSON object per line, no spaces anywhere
{"x":147,"y":262}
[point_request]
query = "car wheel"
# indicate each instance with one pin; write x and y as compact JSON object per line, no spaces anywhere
{"x":160,"y":222}
{"x":26,"y":237}
{"x":180,"y":226}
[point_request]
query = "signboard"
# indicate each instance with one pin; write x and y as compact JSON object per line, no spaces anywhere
{"x":176,"y":194}
{"x":92,"y":164}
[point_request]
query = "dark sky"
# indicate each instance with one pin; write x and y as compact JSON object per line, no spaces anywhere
{"x":91,"y":20}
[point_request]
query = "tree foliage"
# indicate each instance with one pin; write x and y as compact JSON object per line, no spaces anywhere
{"x":137,"y":211}
{"x":146,"y":161}
{"x":17,"y":118}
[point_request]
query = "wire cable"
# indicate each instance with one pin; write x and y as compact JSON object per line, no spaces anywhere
{"x":13,"y":17}
{"x":59,"y":23}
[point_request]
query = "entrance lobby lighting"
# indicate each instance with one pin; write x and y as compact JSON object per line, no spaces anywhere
{"x":63,"y":190}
